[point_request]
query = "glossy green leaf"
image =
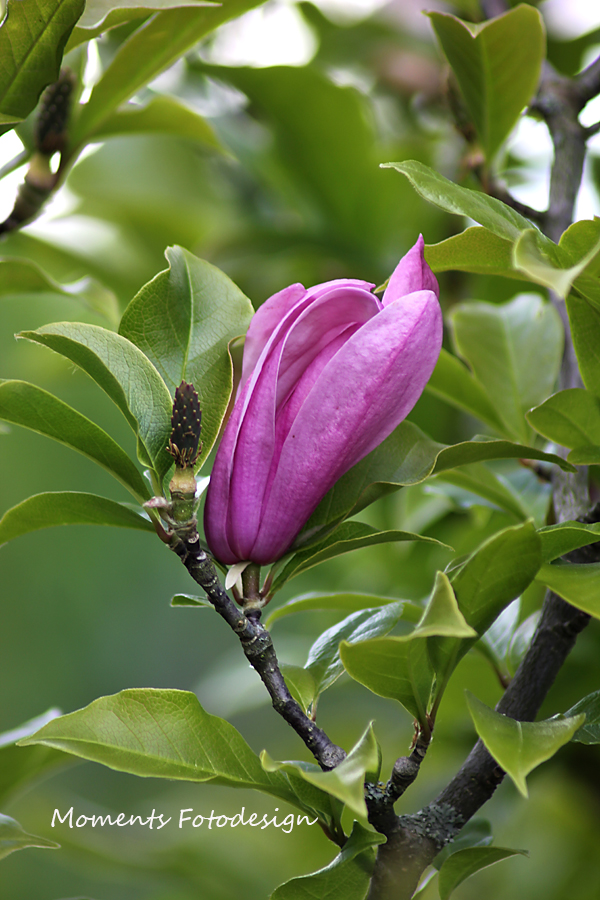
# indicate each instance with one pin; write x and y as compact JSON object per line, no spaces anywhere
{"x":13,"y":837}
{"x":461,"y":865}
{"x":497,"y":64}
{"x":183,"y":321}
{"x":570,"y":418}
{"x":453,"y":382}
{"x":406,"y":457}
{"x":346,"y":781}
{"x":474,"y":250}
{"x":578,"y":584}
{"x":160,"y":734}
{"x":161,"y":115}
{"x":476,"y":833}
{"x":493,"y":576}
{"x":22,"y":276}
{"x":21,"y":766}
{"x":519,"y":747}
{"x":399,"y":667}
{"x":344,"y":601}
{"x":100,"y":16}
{"x":585,"y":330}
{"x":27,"y":405}
{"x":589,"y":732}
{"x":345,"y":878}
{"x":68,"y":508}
{"x":150,"y":50}
{"x":566,"y":536}
{"x":346,"y":537}
{"x":32,"y":39}
{"x":389,"y":667}
{"x":529,"y":257}
{"x":515,"y":351}
{"x":494,"y":215}
{"x":481,"y":481}
{"x":324,"y":661}
{"x":125,"y":374}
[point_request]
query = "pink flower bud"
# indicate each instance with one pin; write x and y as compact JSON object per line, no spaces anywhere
{"x":328,"y":373}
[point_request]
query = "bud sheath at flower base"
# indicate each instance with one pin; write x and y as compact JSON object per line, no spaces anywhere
{"x":184,"y":447}
{"x":328,"y":373}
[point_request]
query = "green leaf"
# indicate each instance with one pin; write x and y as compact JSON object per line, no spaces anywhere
{"x":20,"y":766}
{"x":21,"y":276}
{"x":585,"y":330}
{"x":474,"y":250}
{"x":493,"y":576}
{"x":519,"y":747}
{"x":497,"y":65}
{"x":150,"y":50}
{"x":394,"y":669}
{"x":183,"y":321}
{"x":161,"y":734}
{"x":32,"y":39}
{"x":67,"y":508}
{"x":579,"y":585}
{"x":347,"y":877}
{"x":346,"y":781}
{"x":476,"y":833}
{"x":453,"y":382}
{"x":301,"y":684}
{"x":589,"y":732}
{"x":566,"y":536}
{"x":100,"y":16}
{"x":570,"y":418}
{"x":529,"y":257}
{"x":27,"y":405}
{"x":346,"y":537}
{"x":480,"y":480}
{"x":406,"y":457}
{"x":494,"y":215}
{"x":125,"y":374}
{"x":12,"y":837}
{"x":515,"y":352}
{"x":324,"y":661}
{"x":343,"y":601}
{"x":461,"y":865}
{"x":189,"y":600}
{"x":162,"y":115}
{"x":399,"y":667}
{"x":324,"y":151}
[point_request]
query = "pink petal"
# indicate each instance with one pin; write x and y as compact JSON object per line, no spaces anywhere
{"x":361,"y":395}
{"x":411,"y":274}
{"x":280,"y":367}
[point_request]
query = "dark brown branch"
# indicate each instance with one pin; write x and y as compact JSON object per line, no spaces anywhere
{"x":500,"y":192}
{"x":588,"y":82}
{"x":258,"y":647}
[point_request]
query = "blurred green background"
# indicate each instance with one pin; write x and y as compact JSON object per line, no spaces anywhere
{"x":294,"y":194}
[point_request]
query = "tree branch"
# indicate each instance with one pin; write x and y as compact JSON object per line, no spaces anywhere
{"x":257,"y":645}
{"x":414,"y":841}
{"x":588,"y":82}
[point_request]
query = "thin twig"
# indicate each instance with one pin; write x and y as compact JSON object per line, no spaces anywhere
{"x":258,"y":647}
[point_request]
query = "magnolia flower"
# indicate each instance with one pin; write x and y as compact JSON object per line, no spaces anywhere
{"x":328,"y":373}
